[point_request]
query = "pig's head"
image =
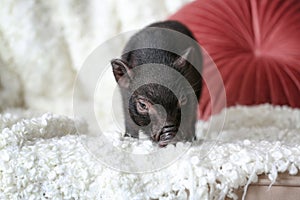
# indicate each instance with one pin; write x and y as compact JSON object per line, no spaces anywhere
{"x":155,"y":108}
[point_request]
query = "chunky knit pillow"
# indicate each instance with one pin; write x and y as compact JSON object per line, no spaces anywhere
{"x":255,"y":45}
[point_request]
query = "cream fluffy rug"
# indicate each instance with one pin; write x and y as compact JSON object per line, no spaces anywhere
{"x":42,"y":157}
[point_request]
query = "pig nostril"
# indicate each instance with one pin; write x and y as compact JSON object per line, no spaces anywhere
{"x":166,"y":129}
{"x":166,"y":136}
{"x":167,"y":133}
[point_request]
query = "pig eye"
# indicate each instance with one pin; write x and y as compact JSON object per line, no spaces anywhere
{"x":142,"y":106}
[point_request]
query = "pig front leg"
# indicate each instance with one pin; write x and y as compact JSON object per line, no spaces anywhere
{"x":131,"y":129}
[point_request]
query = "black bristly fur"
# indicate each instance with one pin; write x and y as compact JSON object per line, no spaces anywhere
{"x":154,"y":93}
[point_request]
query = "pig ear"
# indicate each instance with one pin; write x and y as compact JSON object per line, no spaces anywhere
{"x":185,"y":56}
{"x":122,"y":72}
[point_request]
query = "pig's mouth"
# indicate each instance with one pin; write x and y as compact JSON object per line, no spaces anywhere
{"x":166,"y":135}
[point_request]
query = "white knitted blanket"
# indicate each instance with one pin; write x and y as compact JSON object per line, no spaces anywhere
{"x":43,"y":157}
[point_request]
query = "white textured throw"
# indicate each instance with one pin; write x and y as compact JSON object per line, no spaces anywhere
{"x":42,"y":157}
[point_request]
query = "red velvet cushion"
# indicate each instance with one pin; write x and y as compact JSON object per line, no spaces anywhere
{"x":255,"y":45}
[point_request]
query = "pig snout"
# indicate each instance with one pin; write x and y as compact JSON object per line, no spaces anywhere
{"x":167,"y":134}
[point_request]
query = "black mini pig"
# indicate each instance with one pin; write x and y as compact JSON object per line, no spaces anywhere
{"x":152,"y":107}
